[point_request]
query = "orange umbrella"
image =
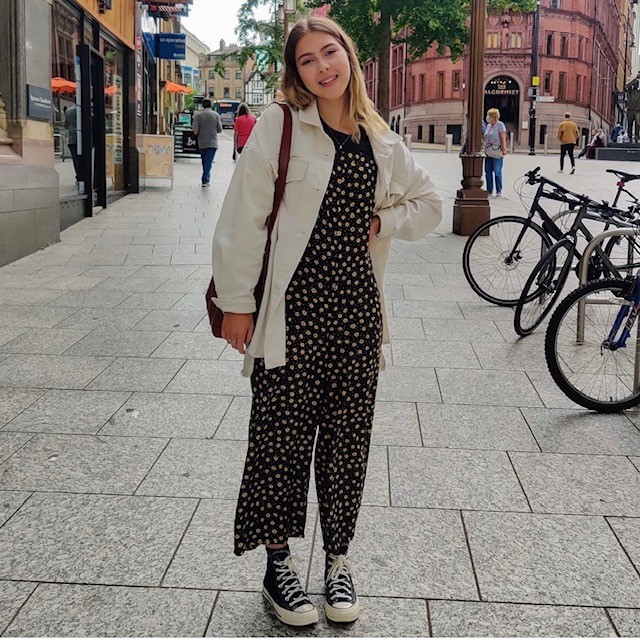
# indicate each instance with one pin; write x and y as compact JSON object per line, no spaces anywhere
{"x":61,"y":85}
{"x":111,"y":90}
{"x":174,"y":87}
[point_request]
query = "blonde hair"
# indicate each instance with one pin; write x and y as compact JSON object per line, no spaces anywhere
{"x":361,"y":109}
{"x":494,"y":112}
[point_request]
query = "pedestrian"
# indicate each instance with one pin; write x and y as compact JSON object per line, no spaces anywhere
{"x":242,"y":127}
{"x":315,"y":350}
{"x":568,"y":135}
{"x":599,"y":140}
{"x":495,"y":148}
{"x":207,"y":125}
{"x":71,"y":125}
{"x":616,"y":131}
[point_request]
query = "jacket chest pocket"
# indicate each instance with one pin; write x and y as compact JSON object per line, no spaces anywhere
{"x":294,"y":188}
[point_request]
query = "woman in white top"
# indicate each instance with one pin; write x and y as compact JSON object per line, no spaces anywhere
{"x":315,"y":350}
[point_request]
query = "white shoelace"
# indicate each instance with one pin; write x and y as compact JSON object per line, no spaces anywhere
{"x":289,"y":582}
{"x":339,"y":579}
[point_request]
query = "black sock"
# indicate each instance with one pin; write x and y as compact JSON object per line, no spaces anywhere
{"x":278,"y":554}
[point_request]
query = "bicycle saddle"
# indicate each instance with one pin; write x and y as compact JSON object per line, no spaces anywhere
{"x":626,"y":177}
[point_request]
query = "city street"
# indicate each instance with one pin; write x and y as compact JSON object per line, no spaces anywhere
{"x":493,"y":505}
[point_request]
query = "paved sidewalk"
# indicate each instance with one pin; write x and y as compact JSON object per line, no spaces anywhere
{"x":493,"y":506}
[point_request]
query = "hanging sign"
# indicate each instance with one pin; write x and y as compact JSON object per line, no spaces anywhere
{"x":171,"y":46}
{"x":162,"y":10}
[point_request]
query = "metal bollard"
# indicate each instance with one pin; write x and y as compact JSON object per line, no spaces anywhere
{"x":546,"y":143}
{"x":511,"y":142}
{"x":448,"y":143}
{"x":407,"y":140}
{"x":584,"y":141}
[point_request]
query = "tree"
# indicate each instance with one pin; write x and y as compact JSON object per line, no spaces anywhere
{"x":375,"y":24}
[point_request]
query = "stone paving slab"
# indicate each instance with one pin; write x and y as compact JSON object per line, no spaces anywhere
{"x":171,"y":320}
{"x":137,"y":374}
{"x":392,"y":559}
{"x":192,"y":346}
{"x":33,"y":317}
{"x":114,"y":319}
{"x":244,"y":615}
{"x":454,"y":479}
{"x":422,"y":353}
{"x":408,"y":384}
{"x":107,"y":342}
{"x":67,"y":610}
{"x":580,"y":484}
{"x":12,"y":442}
{"x":210,"y":377}
{"x":116,"y":540}
{"x":12,"y":596}
{"x":205,"y":557}
{"x":44,"y":341}
{"x":14,"y":401}
{"x":626,"y":621}
{"x":10,"y":502}
{"x":494,"y":620}
{"x":550,"y":559}
{"x":80,"y":412}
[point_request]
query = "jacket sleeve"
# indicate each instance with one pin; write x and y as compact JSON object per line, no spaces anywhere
{"x":196,"y":124}
{"x":219,"y":123}
{"x":241,"y":233}
{"x":416,"y":207}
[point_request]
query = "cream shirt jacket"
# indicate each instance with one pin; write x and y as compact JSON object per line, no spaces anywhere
{"x":405,"y":199}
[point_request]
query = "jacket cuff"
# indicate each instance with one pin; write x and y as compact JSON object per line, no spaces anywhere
{"x":387,"y":222}
{"x":235,"y":306}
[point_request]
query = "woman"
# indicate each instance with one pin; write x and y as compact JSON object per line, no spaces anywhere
{"x":599,"y":140}
{"x":495,"y":148}
{"x":315,"y":350}
{"x":242,"y":128}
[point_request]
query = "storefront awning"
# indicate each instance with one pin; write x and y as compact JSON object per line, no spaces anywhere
{"x":61,"y":85}
{"x":111,"y":90}
{"x":174,"y":87}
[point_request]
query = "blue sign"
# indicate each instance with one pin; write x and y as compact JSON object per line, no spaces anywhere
{"x":39,"y":103}
{"x":171,"y":46}
{"x":150,"y":42}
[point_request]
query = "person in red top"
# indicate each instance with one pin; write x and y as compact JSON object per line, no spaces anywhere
{"x":243,"y":127}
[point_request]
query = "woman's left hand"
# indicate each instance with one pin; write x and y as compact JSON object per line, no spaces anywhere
{"x":375,"y":228}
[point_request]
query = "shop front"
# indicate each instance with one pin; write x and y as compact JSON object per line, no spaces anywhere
{"x":92,"y":77}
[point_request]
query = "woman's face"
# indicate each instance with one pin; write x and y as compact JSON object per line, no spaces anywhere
{"x":323,"y":65}
{"x":492,"y":118}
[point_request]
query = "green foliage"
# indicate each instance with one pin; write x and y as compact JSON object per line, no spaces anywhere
{"x":189,"y":103}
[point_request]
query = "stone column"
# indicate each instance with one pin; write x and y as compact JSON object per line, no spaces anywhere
{"x":471,"y":206}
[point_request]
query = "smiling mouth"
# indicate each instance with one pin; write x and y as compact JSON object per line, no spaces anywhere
{"x":328,"y":81}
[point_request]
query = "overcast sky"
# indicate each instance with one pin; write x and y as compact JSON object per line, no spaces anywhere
{"x":211,"y":20}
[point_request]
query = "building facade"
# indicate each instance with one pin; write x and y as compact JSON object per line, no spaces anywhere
{"x":191,"y":65}
{"x":231,"y":84}
{"x":257,"y":95}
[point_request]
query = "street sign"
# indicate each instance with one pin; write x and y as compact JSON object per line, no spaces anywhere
{"x":545,"y":99}
{"x":535,"y":81}
{"x":39,"y":103}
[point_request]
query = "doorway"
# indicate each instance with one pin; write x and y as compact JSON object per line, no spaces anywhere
{"x":503,"y":93}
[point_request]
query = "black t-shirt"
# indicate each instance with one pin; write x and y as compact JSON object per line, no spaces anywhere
{"x":342,"y":142}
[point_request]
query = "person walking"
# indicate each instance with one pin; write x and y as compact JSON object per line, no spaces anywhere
{"x":242,"y":127}
{"x":314,"y":351}
{"x":71,"y":125}
{"x":495,"y":148}
{"x":569,"y":135}
{"x":207,"y":125}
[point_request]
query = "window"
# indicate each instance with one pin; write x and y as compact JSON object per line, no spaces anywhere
{"x":555,"y":4}
{"x":419,"y":132}
{"x":227,"y":75}
{"x":455,"y":81}
{"x":493,"y":40}
{"x":421,"y":88}
{"x":581,"y":48}
{"x":238,"y":93}
{"x":579,"y":89}
{"x":549,"y":45}
{"x":212,"y":74}
{"x":227,"y":93}
{"x":432,"y":133}
{"x":515,"y":41}
{"x":238,"y":74}
{"x":564,"y":45}
{"x":440,"y":94}
{"x":548,"y":82}
{"x":562,"y":86}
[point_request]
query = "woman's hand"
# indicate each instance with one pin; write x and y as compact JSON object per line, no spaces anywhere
{"x":237,"y":330}
{"x":375,"y":228}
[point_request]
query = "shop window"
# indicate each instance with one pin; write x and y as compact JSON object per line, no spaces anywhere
{"x":455,"y":81}
{"x":548,"y":81}
{"x":549,"y":44}
{"x":114,"y":114}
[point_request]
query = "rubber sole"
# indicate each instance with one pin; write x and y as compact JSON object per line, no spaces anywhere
{"x":289,"y":617}
{"x":343,"y":615}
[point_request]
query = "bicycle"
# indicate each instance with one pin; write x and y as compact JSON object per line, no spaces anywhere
{"x":592,"y":345}
{"x":548,"y":278}
{"x":497,"y":270}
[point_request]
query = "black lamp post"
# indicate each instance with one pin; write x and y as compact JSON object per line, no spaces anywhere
{"x":535,"y":80}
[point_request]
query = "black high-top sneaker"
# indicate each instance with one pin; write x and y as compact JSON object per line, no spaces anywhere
{"x":341,"y":603}
{"x":282,"y":589}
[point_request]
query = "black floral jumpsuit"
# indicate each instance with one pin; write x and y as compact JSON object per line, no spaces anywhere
{"x":328,"y":385}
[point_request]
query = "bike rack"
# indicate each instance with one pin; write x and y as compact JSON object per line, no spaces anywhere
{"x":584,"y":273}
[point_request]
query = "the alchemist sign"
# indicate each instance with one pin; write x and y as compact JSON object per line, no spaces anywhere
{"x":502,"y":86}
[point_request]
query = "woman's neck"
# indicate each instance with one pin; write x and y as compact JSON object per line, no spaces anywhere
{"x":334,"y":113}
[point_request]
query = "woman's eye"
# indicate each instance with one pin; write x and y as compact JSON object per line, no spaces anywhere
{"x":331,"y":52}
{"x":307,"y":61}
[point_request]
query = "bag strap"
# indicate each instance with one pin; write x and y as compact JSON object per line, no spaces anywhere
{"x":283,"y":166}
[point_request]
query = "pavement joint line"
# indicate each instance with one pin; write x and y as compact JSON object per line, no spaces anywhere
{"x":471,"y":560}
{"x":213,"y":608}
{"x":611,"y":622}
{"x":316,"y":521}
{"x":524,"y":493}
{"x":531,"y":429}
{"x":3,"y":630}
{"x":153,"y":464}
{"x":633,"y":564}
{"x":428,"y":614}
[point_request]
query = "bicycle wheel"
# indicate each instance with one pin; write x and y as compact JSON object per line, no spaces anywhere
{"x":585,"y":367}
{"x":497,"y":265}
{"x":543,"y":287}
